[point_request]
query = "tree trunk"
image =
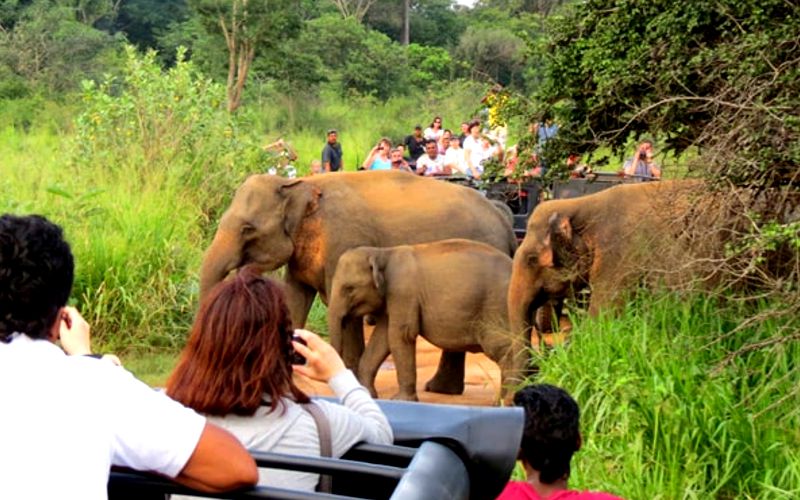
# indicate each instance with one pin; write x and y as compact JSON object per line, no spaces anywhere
{"x":406,"y":22}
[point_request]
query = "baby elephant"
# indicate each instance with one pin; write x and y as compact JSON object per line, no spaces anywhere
{"x":452,"y":292}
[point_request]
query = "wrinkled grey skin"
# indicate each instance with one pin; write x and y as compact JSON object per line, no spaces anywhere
{"x":306,"y":224}
{"x":451,"y":292}
{"x":605,"y":241}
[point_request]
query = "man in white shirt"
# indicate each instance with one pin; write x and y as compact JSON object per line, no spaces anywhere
{"x":431,"y":163}
{"x":67,"y":417}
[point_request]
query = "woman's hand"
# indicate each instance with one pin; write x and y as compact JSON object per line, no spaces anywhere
{"x":322,"y":360}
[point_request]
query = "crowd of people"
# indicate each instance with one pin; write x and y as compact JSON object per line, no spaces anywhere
{"x":437,"y":151}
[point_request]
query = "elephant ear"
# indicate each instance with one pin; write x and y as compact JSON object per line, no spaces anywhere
{"x":563,"y":251}
{"x":378,"y":264}
{"x":301,"y":199}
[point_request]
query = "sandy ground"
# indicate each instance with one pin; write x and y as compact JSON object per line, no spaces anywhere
{"x":482,"y":380}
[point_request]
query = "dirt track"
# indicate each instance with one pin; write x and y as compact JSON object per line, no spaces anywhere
{"x":481,"y":387}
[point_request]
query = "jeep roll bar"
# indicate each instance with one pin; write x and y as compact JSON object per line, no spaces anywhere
{"x":440,"y":452}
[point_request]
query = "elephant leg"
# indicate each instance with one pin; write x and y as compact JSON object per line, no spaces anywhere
{"x":376,"y":352}
{"x":299,"y":298}
{"x":352,"y":341}
{"x":404,"y":351}
{"x":449,"y":377}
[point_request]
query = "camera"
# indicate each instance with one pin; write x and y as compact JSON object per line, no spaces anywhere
{"x":642,"y":155}
{"x":295,"y":357}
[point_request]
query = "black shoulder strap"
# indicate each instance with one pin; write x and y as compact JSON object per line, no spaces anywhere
{"x":325,"y":445}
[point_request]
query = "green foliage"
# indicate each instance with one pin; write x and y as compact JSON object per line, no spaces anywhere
{"x":428,"y":66}
{"x":145,"y":21}
{"x":722,"y":76}
{"x":667,"y":414}
{"x":172,"y":121}
{"x":53,"y":45}
{"x":435,"y":23}
{"x":355,"y":58}
{"x":361,"y":120}
{"x":492,"y":54}
{"x":165,"y":137}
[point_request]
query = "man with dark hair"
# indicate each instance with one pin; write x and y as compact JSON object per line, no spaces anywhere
{"x":550,"y":437}
{"x":68,"y":417}
{"x":415,"y":145}
{"x":431,"y":163}
{"x":332,"y":153}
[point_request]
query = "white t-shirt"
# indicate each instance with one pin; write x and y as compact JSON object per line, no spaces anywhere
{"x":454,"y":158}
{"x":432,"y":166}
{"x":474,"y":150}
{"x":66,"y":419}
{"x":433,"y":134}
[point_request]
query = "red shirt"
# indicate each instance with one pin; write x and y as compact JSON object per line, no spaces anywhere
{"x":519,"y":490}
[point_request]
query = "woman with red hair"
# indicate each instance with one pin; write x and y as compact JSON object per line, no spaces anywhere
{"x":237,"y":369}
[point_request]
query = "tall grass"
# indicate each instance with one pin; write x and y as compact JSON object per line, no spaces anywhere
{"x":361,"y":121}
{"x":663,"y":417}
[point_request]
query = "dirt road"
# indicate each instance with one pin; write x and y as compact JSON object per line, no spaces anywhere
{"x":482,"y":380}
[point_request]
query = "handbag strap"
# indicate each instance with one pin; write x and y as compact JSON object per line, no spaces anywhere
{"x":325,"y":484}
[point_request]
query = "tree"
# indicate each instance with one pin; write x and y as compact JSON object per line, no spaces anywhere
{"x":495,"y":54}
{"x":356,"y":58}
{"x":425,"y":22}
{"x":353,"y":8}
{"x":722,"y":77}
{"x":52,"y":45}
{"x":245,"y":27}
{"x":144,"y":21}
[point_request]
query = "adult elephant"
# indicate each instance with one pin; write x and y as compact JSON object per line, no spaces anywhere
{"x":306,"y":224}
{"x":605,"y":241}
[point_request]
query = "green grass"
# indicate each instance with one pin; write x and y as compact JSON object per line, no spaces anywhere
{"x":361,"y":122}
{"x":659,"y":421}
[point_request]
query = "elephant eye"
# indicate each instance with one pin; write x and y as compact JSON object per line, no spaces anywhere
{"x":248,"y":229}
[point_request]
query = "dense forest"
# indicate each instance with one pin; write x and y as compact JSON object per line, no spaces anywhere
{"x":131,"y":122}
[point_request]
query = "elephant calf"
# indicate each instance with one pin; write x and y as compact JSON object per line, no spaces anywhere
{"x":452,"y":292}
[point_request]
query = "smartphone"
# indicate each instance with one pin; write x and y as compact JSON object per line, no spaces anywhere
{"x":295,"y":357}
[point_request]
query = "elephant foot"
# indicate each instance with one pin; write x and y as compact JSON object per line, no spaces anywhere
{"x":442,"y":385}
{"x":405,"y":396}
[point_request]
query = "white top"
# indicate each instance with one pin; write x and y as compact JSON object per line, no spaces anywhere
{"x":433,"y":134}
{"x":473,"y":149}
{"x":294,"y":431}
{"x":66,"y":419}
{"x":431,"y":165}
{"x":454,"y":158}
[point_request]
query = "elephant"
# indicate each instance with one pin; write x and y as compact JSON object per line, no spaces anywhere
{"x":451,"y":292}
{"x":605,"y":241}
{"x":306,"y":224}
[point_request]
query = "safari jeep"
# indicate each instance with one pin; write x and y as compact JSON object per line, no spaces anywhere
{"x":440,"y":452}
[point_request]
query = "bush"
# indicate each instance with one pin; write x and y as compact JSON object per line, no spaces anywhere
{"x":165,"y":136}
{"x":428,"y":66}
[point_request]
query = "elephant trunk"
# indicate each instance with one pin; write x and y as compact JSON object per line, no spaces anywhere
{"x":336,"y":317}
{"x":224,"y":255}
{"x":521,"y":293}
